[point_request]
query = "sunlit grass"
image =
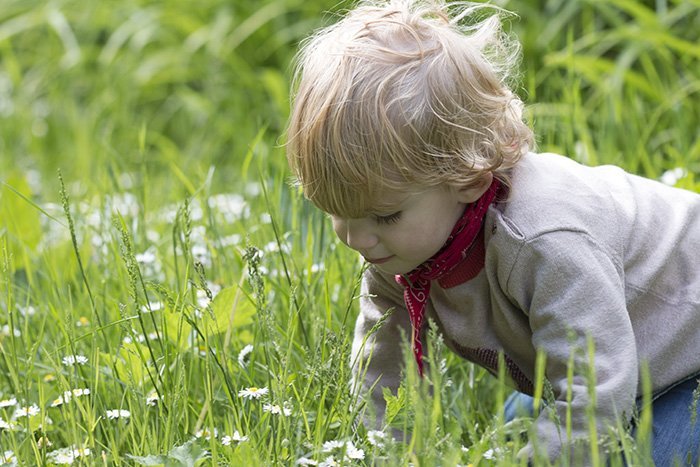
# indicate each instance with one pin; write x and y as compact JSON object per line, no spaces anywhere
{"x":179,"y":272}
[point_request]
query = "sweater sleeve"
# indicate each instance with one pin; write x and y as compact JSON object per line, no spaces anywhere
{"x":573,"y":292}
{"x":377,"y":351}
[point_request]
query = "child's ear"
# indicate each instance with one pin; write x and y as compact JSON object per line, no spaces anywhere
{"x":473,"y":192}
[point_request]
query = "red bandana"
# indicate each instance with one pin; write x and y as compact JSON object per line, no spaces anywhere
{"x":417,"y":282}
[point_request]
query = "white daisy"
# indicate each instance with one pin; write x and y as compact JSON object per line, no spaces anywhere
{"x":72,"y":360}
{"x":352,"y":452}
{"x":376,"y":438}
{"x":277,"y":410}
{"x":332,"y":445}
{"x":306,"y":461}
{"x":253,"y":393}
{"x":8,"y":403}
{"x":117,"y":413}
{"x":147,"y":257}
{"x":227,"y":440}
{"x":61,"y":456}
{"x":8,"y":457}
{"x":81,"y":452}
{"x":82,"y":322}
{"x":7,"y":425}
{"x":329,"y":462}
{"x":60,"y":400}
{"x":29,"y":411}
{"x":206,"y":434}
{"x":80,"y":392}
{"x":67,"y":455}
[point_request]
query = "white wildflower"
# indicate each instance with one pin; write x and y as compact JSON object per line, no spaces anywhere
{"x":8,"y":457}
{"x":206,"y":434}
{"x":492,"y":454}
{"x":8,"y":403}
{"x":202,"y":299}
{"x":329,"y":462}
{"x":147,"y":257}
{"x":243,"y":355}
{"x":227,"y":440}
{"x":152,"y":306}
{"x":80,"y":392}
{"x":229,"y":240}
{"x":376,"y":438}
{"x":277,"y":410}
{"x":7,"y":425}
{"x":306,"y":461}
{"x":5,"y":331}
{"x":71,"y":360}
{"x":67,"y":456}
{"x":231,"y":206}
{"x":671,"y":177}
{"x":29,"y":411}
{"x":117,"y":413}
{"x":82,"y":322}
{"x":68,"y":395}
{"x":332,"y":445}
{"x":352,"y":452}
{"x":201,"y":253}
{"x":253,"y":393}
{"x":60,"y":400}
{"x":27,"y":311}
{"x":81,"y":452}
{"x":61,"y":456}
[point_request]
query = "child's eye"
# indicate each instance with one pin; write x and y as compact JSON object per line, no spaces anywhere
{"x":390,"y":219}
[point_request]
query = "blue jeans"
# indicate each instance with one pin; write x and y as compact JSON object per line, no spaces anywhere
{"x":675,"y":438}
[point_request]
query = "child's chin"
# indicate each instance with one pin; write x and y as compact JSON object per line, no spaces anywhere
{"x":392,"y":268}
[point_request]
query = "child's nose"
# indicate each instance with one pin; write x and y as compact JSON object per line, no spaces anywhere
{"x":358,"y":235}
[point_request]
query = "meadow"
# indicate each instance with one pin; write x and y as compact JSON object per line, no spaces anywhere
{"x":167,"y":297}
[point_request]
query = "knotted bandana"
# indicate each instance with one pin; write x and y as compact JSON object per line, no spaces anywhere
{"x":417,"y":282}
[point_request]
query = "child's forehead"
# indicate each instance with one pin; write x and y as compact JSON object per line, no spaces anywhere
{"x":388,"y":200}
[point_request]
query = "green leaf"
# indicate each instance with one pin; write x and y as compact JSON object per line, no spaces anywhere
{"x":148,"y":460}
{"x":230,"y":308}
{"x":186,"y":455}
{"x":128,"y":363}
{"x":394,"y":404}
{"x":17,"y":216}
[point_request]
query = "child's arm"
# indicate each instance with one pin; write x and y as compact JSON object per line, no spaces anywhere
{"x":574,"y":294}
{"x":380,"y":332}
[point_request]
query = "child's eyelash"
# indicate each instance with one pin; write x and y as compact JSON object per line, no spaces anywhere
{"x":390,"y":219}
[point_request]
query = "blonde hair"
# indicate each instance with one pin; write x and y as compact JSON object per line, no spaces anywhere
{"x":402,"y":94}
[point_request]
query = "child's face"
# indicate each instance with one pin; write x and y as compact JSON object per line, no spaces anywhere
{"x":399,"y":240}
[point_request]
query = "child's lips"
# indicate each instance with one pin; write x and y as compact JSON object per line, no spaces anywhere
{"x":379,"y":260}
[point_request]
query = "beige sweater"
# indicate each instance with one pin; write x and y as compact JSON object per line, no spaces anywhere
{"x":575,"y":251}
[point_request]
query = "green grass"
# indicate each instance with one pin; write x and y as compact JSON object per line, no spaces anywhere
{"x":172,"y":240}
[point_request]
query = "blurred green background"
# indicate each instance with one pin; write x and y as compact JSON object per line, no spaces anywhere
{"x":169,"y":89}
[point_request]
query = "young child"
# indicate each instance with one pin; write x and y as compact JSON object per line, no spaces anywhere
{"x":404,"y":130}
